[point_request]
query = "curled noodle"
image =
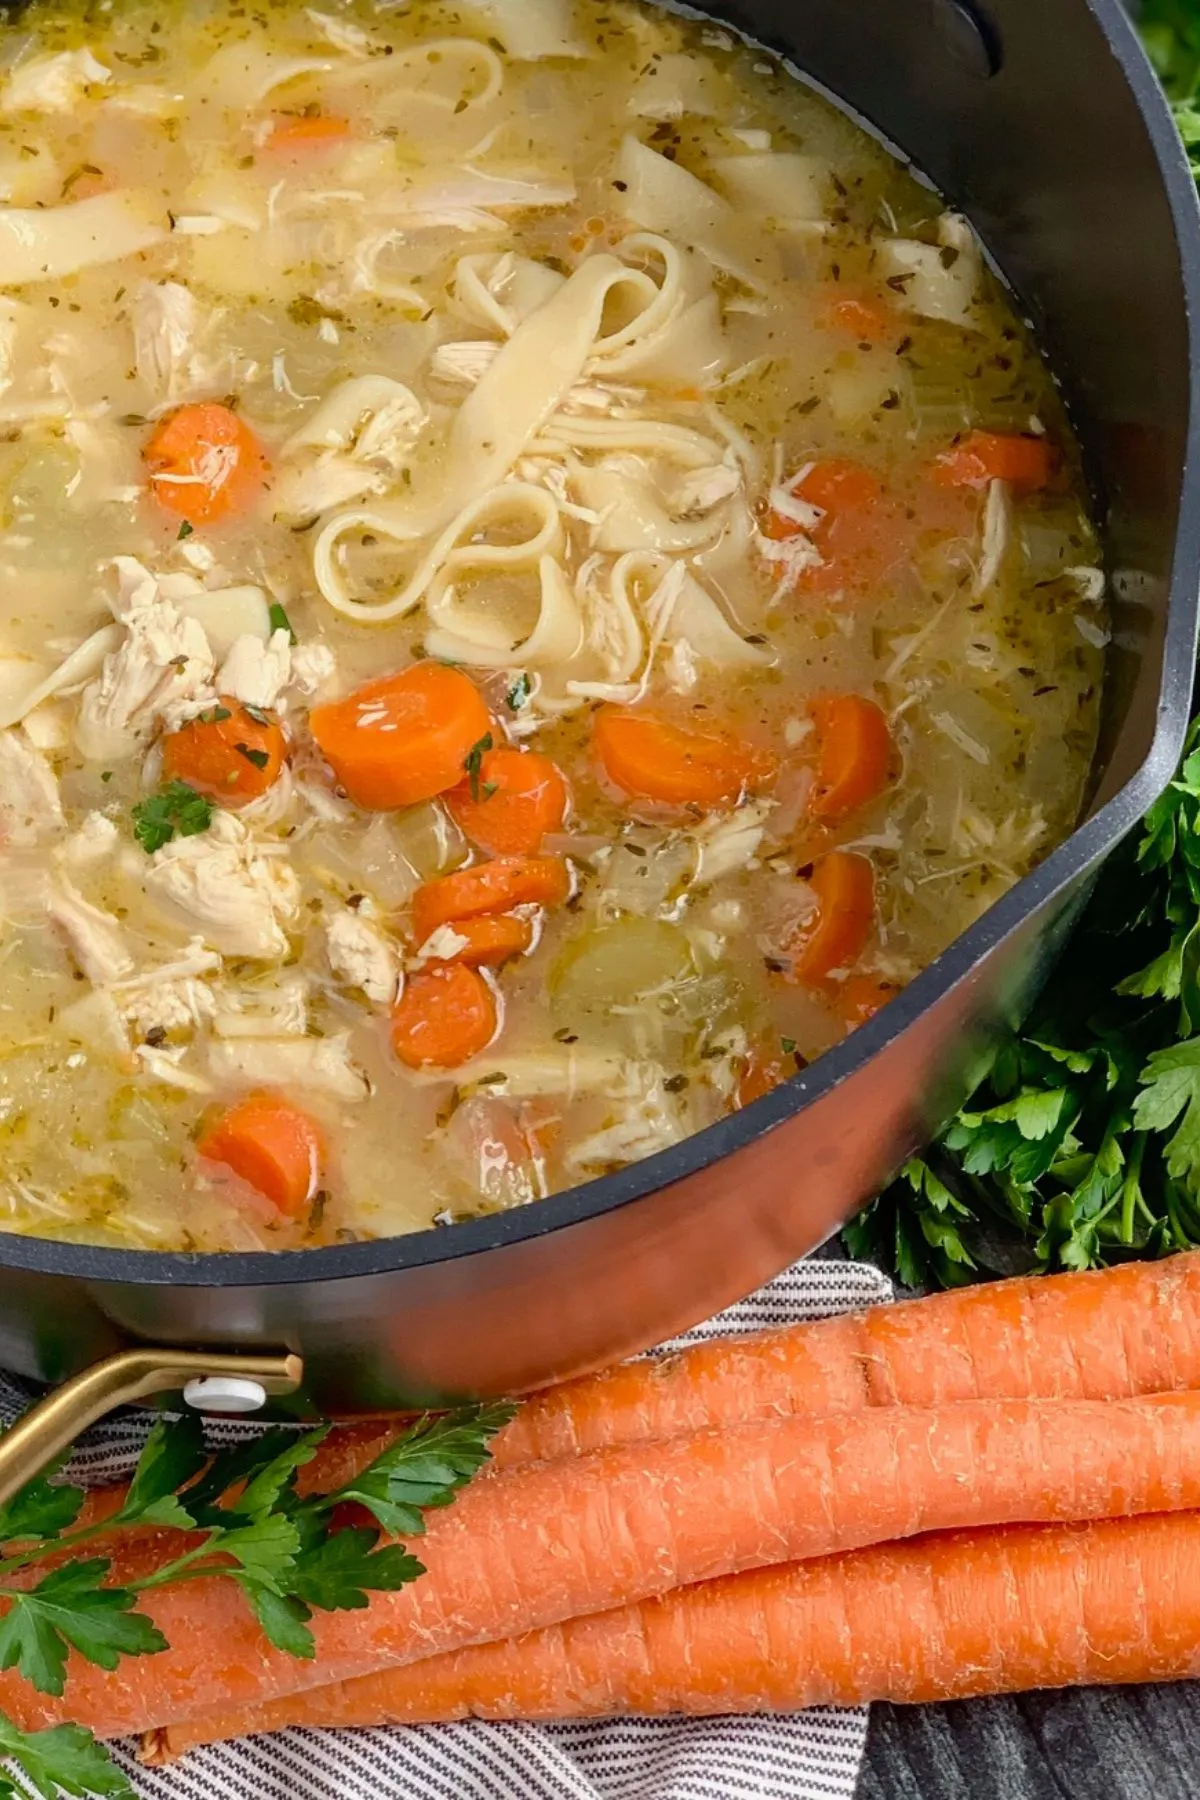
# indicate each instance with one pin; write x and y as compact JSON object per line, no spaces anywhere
{"x":518,"y":393}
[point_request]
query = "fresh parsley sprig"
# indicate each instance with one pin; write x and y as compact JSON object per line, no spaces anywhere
{"x":1082,"y":1147}
{"x":1170,"y":31}
{"x":246,"y":1522}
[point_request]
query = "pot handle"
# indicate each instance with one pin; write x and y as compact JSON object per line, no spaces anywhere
{"x":52,"y":1424}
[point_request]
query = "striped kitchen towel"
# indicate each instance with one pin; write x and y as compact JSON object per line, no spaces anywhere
{"x":812,"y":1755}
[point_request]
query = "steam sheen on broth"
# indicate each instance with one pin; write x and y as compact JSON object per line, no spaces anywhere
{"x":674,"y":455}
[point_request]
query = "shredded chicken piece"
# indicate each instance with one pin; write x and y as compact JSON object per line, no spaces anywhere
{"x":93,"y":937}
{"x":163,"y":1063}
{"x":30,"y":809}
{"x":276,"y":1009}
{"x":170,"y":996}
{"x":168,"y":328}
{"x":997,"y":536}
{"x":320,"y":1065}
{"x":164,"y":661}
{"x":184,"y":1004}
{"x":441,"y":945}
{"x":701,"y":489}
{"x":313,"y":666}
{"x":790,"y":558}
{"x":361,"y":956}
{"x":355,"y":443}
{"x":54,"y":83}
{"x":256,"y":673}
{"x":94,"y":840}
{"x":729,"y":841}
{"x":231,"y":890}
{"x":647,"y":1119}
{"x":467,"y":361}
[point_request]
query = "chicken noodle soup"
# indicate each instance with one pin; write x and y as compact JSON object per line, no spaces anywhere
{"x":542,"y":582}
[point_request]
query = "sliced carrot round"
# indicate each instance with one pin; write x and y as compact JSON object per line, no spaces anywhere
{"x":229,"y":752}
{"x":272,"y":1146}
{"x":445,"y":1016}
{"x":515,"y":799}
{"x":403,"y":738}
{"x":490,"y":887}
{"x":836,"y":934}
{"x":853,"y":754}
{"x":983,"y":456}
{"x":764,"y":1070}
{"x":490,"y":940}
{"x":652,"y":760}
{"x":205,"y":464}
{"x":839,"y":485}
{"x":865,"y":320}
{"x":860,"y":997}
{"x":300,"y":133}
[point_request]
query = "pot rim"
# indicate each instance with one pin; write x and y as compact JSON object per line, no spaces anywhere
{"x":1086,"y":845}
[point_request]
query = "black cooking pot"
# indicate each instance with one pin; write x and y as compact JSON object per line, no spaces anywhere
{"x":1044,"y":125}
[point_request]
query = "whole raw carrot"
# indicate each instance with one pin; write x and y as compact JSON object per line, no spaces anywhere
{"x":936,"y":1618}
{"x":537,"y":1545}
{"x":1105,"y":1335}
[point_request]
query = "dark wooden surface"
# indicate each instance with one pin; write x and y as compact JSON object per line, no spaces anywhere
{"x":1094,"y":1744}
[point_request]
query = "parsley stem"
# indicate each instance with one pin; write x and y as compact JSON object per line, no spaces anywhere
{"x":52,"y":1546}
{"x":1131,"y":1188}
{"x":181,"y":1568}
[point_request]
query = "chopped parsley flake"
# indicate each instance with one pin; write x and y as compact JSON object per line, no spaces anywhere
{"x":279,"y":621}
{"x":176,"y":810}
{"x":473,"y":763}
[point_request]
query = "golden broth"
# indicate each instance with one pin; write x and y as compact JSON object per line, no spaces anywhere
{"x":752,"y":477}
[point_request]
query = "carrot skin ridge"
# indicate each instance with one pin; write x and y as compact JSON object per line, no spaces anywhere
{"x":540,"y":1544}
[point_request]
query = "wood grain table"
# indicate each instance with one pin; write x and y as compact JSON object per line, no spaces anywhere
{"x":1090,"y":1744}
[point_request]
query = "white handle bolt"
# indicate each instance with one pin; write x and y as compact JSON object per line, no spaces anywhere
{"x":225,"y":1394}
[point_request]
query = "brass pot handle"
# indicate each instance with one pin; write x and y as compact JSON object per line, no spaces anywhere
{"x":55,"y":1422}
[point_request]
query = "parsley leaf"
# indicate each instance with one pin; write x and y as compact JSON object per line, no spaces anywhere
{"x":1170,"y":1097}
{"x":424,"y":1468}
{"x":283,"y":1618}
{"x":278,"y":620}
{"x":265,"y":1548}
{"x":175,"y":809}
{"x":173,"y":1454}
{"x":518,"y":694}
{"x":260,"y":758}
{"x":65,"y":1758}
{"x":214,"y":715}
{"x":344,"y":1566}
{"x":473,"y":762}
{"x":185,"y":531}
{"x":273,"y":1479}
{"x":263,"y":1467}
{"x":68,"y":1609}
{"x":41,"y":1509}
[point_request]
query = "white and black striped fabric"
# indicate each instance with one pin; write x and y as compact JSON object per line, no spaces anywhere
{"x":812,"y":1755}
